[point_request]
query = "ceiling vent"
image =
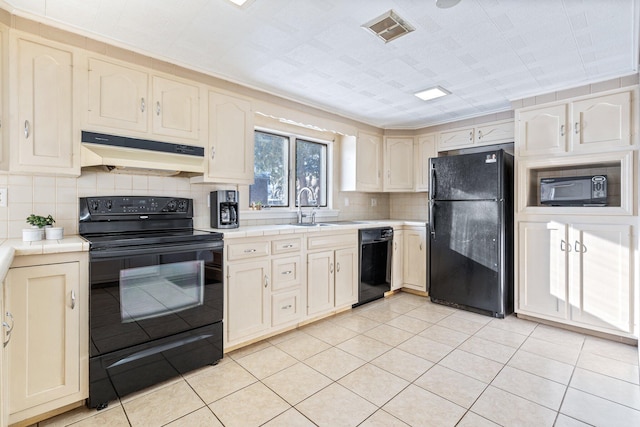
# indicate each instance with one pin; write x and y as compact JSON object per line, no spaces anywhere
{"x":388,"y":26}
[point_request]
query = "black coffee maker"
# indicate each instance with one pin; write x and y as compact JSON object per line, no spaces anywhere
{"x":224,"y":209}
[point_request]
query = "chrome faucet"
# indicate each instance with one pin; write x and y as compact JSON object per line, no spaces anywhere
{"x":311,"y":197}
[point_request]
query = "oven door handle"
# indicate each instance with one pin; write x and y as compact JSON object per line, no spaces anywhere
{"x":154,"y":250}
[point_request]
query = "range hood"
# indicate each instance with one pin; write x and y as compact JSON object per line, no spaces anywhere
{"x":132,"y":155}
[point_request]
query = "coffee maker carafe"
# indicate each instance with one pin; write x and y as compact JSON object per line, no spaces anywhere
{"x":224,"y":209}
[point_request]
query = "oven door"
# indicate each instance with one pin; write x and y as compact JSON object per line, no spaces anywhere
{"x":144,"y":294}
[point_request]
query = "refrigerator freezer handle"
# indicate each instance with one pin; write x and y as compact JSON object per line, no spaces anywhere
{"x":432,"y":182}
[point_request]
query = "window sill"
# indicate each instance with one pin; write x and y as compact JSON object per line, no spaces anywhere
{"x":278,"y":213}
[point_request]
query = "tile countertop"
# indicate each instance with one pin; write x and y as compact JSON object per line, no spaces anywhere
{"x":16,"y":247}
{"x":272,"y":230}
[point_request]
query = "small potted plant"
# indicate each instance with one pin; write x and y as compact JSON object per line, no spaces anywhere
{"x":39,"y":226}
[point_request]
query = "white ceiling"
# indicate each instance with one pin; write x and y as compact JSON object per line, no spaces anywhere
{"x":486,"y":52}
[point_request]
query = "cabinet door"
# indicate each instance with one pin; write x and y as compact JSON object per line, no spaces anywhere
{"x":230,"y":157}
{"x":454,"y":139}
{"x":248,"y":295}
{"x":320,"y":282}
{"x":117,"y":96}
{"x":368,"y":162}
{"x":44,"y":351}
{"x":415,"y":259}
{"x":397,"y":260}
{"x":542,"y":130}
{"x":346,"y":277}
{"x":176,"y":109}
{"x":602,"y":122}
{"x":542,"y":268}
{"x":398,"y":164}
{"x":4,"y":320}
{"x":495,"y":133}
{"x":425,"y":149}
{"x":601,"y":282}
{"x":46,"y":141}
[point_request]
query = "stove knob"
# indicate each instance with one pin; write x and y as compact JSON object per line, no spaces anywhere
{"x":109,"y":204}
{"x":94,"y":205}
{"x":171,"y":206}
{"x":182,"y":205}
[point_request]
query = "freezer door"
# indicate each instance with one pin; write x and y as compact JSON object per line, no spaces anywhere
{"x":474,"y":176}
{"x":465,"y":261}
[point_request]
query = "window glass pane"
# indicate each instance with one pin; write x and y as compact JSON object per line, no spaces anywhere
{"x":271,"y":170}
{"x":311,"y":173}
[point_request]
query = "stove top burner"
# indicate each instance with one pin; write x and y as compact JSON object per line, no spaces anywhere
{"x":114,"y":240}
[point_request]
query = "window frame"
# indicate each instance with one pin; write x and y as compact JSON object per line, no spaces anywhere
{"x":291,"y":172}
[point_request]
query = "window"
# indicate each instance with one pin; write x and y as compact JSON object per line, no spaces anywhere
{"x":289,"y":168}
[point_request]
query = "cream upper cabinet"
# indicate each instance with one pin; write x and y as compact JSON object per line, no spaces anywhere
{"x":229,"y":158}
{"x":485,"y":134}
{"x":361,"y":162}
{"x":542,"y":130}
{"x":134,"y":101}
{"x":587,"y":125}
{"x":415,"y":258}
{"x":577,"y":274}
{"x":47,"y":356}
{"x":601,"y":122}
{"x":45,"y":134}
{"x":425,"y":148}
{"x":118,"y":96}
{"x":397,"y":273}
{"x":398,"y":164}
{"x":175,"y":109}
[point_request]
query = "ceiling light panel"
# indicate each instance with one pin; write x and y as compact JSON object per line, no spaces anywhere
{"x":389,"y":26}
{"x":432,"y":93}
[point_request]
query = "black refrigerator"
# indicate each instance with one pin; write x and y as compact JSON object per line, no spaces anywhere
{"x":471,"y":232}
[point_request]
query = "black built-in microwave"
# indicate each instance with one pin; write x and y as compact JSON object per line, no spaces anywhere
{"x":574,"y":191}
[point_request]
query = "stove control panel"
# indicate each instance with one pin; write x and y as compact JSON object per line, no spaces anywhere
{"x":136,"y":205}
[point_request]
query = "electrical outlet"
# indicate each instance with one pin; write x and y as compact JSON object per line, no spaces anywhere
{"x":374,"y":202}
{"x":346,"y":201}
{"x":3,"y":197}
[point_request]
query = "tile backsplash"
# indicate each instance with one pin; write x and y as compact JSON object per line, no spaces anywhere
{"x":58,"y":196}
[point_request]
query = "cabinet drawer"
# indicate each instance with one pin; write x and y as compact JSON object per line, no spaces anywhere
{"x":286,"y":307}
{"x":332,"y":241}
{"x":286,"y":245}
{"x":286,"y":272}
{"x":245,"y":250}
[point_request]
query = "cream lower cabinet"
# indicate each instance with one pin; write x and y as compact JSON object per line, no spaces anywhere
{"x":5,"y":330}
{"x":579,"y":274}
{"x":248,"y":305}
{"x":287,"y":272}
{"x":47,"y":355}
{"x":415,"y":258}
{"x":397,"y":258}
{"x":332,"y":274}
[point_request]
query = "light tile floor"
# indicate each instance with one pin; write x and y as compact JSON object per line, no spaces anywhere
{"x":397,"y":362}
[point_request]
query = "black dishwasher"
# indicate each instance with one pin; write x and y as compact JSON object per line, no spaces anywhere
{"x":375,"y":263}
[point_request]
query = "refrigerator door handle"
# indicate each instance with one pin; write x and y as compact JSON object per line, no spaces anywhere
{"x":432,"y":225}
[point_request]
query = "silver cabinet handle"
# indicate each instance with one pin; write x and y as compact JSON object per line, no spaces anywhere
{"x":420,"y":245}
{"x":266,"y":280}
{"x":580,"y":248}
{"x":142,"y":105}
{"x":576,"y":128}
{"x":287,"y":246}
{"x":331,"y":268}
{"x":249,"y":251}
{"x":8,"y":327}
{"x":213,"y":152}
{"x":287,"y":272}
{"x":338,"y":267}
{"x":158,"y":108}
{"x":27,"y":128}
{"x":286,"y":307}
{"x":73,"y":299}
{"x":561,"y":130}
{"x":470,"y":135}
{"x":564,"y":247}
{"x":479,"y":134}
